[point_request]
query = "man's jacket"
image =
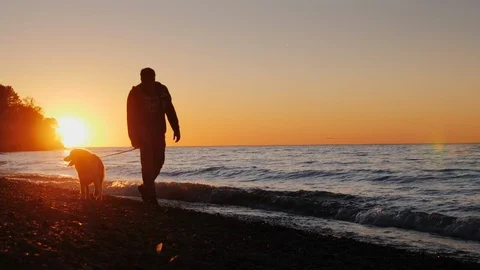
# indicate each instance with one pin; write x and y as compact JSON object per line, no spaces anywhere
{"x":146,"y":114}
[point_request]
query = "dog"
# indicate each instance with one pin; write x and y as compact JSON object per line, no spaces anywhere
{"x":90,"y":169}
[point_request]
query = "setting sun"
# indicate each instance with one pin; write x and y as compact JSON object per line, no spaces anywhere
{"x":72,"y":131}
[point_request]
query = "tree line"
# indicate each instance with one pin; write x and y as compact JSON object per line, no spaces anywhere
{"x":23,"y":127}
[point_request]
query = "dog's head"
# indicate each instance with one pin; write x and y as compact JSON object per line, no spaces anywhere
{"x":76,"y":155}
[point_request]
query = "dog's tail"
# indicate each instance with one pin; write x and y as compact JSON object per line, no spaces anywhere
{"x":101,"y":169}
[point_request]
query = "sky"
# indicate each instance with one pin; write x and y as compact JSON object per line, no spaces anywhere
{"x":254,"y":72}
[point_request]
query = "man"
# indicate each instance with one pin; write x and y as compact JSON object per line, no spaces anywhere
{"x":147,"y":105}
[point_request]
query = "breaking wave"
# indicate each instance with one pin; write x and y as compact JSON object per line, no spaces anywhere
{"x":313,"y":203}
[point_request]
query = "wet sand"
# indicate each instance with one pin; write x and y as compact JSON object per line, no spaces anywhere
{"x":46,"y":227}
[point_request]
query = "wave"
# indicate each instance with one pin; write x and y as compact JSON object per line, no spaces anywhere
{"x":246,"y":173}
{"x":452,"y":170}
{"x":314,"y":203}
{"x":251,"y":172}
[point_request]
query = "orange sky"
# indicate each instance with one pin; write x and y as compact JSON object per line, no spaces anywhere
{"x":255,"y":72}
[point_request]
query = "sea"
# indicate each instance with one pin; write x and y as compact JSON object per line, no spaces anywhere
{"x":423,"y":198}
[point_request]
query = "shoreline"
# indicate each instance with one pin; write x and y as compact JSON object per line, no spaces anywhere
{"x":42,"y":226}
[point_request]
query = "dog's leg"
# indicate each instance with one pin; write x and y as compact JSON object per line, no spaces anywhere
{"x":98,"y":191}
{"x":82,"y":191}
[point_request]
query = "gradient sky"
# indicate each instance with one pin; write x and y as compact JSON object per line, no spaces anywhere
{"x":255,"y":71}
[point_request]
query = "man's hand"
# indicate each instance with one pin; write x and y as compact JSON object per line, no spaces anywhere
{"x":176,"y":135}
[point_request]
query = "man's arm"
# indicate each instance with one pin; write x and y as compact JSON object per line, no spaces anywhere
{"x":132,"y":121}
{"x":171,"y":114}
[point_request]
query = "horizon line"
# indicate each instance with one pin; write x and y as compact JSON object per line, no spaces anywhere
{"x":277,"y":145}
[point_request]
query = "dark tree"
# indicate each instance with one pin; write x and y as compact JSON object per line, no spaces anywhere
{"x":23,"y":126}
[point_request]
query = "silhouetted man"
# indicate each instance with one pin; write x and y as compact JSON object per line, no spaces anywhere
{"x":147,"y":105}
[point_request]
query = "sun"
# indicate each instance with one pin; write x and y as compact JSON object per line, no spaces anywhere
{"x":72,"y":131}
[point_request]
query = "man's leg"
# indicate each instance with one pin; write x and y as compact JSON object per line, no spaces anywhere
{"x":148,"y":172}
{"x":158,"y":160}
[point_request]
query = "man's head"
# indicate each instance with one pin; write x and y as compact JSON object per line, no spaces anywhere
{"x":147,"y":75}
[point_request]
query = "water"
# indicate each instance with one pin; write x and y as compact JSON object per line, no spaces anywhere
{"x":420,"y":197}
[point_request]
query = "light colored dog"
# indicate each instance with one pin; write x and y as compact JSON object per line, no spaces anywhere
{"x":90,"y":169}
